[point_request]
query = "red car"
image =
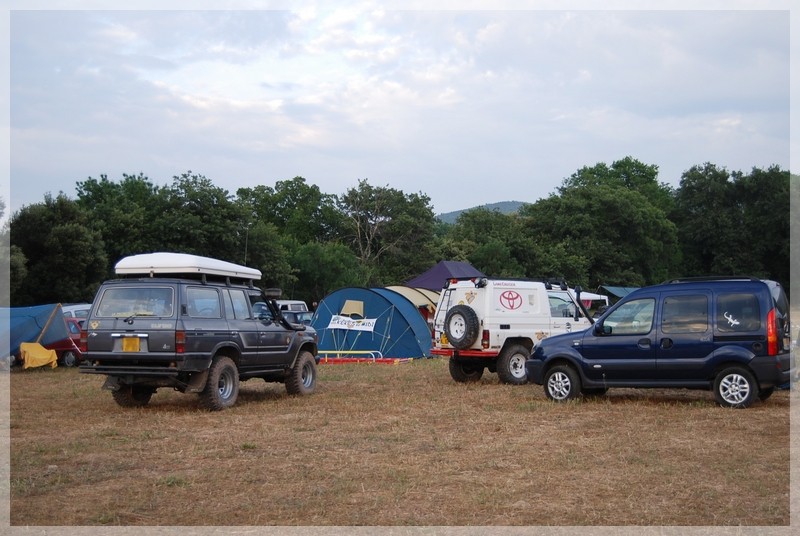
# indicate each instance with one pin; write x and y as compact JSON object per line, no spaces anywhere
{"x":67,"y":350}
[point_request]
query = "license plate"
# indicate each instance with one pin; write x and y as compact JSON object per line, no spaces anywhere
{"x":130,"y":344}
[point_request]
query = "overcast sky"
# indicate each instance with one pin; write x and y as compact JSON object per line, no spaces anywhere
{"x":466,"y":106}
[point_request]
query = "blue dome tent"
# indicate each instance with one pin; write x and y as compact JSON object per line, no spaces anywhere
{"x":370,"y":324}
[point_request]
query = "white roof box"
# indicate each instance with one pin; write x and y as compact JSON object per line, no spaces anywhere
{"x":182,"y":263}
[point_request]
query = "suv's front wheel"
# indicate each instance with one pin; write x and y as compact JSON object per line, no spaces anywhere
{"x":735,"y":387}
{"x":222,"y":387}
{"x":511,"y":365}
{"x":302,"y":378}
{"x":561,"y":383}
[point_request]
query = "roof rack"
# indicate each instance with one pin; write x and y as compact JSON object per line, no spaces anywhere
{"x":182,"y":263}
{"x":711,"y":278}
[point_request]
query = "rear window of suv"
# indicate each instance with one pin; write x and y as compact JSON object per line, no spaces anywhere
{"x":136,"y":301}
{"x":738,"y":312}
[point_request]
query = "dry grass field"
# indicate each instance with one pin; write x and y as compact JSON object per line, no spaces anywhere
{"x":392,"y":445}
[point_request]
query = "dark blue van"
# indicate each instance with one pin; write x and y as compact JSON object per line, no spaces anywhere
{"x":731,"y":335}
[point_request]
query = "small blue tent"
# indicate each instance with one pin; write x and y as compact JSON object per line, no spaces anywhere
{"x":373,"y":323}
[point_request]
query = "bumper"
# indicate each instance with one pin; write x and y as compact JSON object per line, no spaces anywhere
{"x":534,"y":369}
{"x":772,"y":371}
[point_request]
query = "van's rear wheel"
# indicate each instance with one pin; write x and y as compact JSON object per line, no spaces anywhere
{"x":735,"y":387}
{"x":465,"y":372}
{"x":222,"y":387}
{"x":132,"y":396}
{"x":511,"y":365}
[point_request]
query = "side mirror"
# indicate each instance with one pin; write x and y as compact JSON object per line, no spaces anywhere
{"x":601,"y":330}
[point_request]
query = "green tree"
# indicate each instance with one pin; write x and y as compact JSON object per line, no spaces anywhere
{"x":202,"y":219}
{"x":127,"y":214}
{"x":323,"y":267}
{"x":65,"y":257}
{"x":734,"y":224}
{"x":612,"y":233}
{"x":391,"y":232}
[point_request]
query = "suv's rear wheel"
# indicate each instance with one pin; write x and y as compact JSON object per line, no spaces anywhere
{"x":302,"y":378}
{"x":562,"y":383}
{"x":511,"y":364}
{"x":461,"y":326}
{"x":464,"y":372}
{"x":735,"y":387}
{"x":222,"y":387}
{"x":132,"y":396}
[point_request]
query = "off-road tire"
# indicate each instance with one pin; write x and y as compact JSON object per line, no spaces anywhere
{"x":735,"y":387}
{"x":562,"y":383}
{"x":461,"y":325}
{"x":511,"y":365}
{"x":463,"y":372}
{"x":302,"y":379}
{"x":222,"y":386}
{"x":132,"y":396}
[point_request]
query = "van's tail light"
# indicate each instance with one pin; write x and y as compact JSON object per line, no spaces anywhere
{"x":180,"y":342}
{"x":83,"y":345}
{"x":772,"y":332}
{"x":485,"y":339}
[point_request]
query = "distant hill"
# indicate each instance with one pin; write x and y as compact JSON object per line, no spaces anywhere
{"x":504,"y":207}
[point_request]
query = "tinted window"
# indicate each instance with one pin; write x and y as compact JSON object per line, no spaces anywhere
{"x":203,"y":302}
{"x":738,"y":312}
{"x":140,"y":301}
{"x":632,"y":318}
{"x":685,"y":314}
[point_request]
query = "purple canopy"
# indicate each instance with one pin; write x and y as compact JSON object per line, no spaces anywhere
{"x":434,"y":278}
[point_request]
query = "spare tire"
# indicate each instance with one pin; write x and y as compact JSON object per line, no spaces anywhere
{"x":461,"y":325}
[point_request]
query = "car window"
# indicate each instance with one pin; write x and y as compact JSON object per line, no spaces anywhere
{"x":632,"y":318}
{"x":241,"y":308}
{"x":203,"y":302}
{"x":685,"y":314}
{"x":561,"y":305}
{"x":737,"y":312}
{"x":140,"y":301}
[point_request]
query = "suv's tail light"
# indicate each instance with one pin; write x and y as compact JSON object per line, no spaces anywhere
{"x":485,"y":339}
{"x":772,"y":332}
{"x":180,"y":342}
{"x":83,"y":341}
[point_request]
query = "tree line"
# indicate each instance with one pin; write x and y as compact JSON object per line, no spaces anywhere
{"x":605,"y":225}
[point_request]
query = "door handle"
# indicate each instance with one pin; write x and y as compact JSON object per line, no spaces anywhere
{"x":644,"y":344}
{"x":666,"y":344}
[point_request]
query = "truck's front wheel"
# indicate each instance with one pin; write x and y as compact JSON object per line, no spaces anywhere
{"x":222,"y":387}
{"x":511,"y":365}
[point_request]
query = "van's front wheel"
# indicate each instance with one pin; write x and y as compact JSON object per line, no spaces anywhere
{"x":561,"y":383}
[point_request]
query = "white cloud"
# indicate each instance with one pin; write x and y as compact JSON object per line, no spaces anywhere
{"x":467,"y":106}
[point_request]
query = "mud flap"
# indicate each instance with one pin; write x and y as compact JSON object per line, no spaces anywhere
{"x":197,"y":382}
{"x":111,"y":383}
